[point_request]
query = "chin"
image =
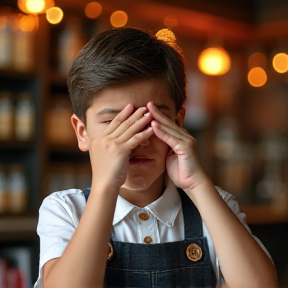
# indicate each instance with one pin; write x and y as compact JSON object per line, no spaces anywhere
{"x":138,"y":183}
{"x":144,"y":182}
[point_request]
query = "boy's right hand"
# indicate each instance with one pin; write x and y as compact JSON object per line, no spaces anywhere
{"x":110,"y":150}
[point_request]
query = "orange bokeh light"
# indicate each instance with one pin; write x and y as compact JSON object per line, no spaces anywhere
{"x":118,"y":19}
{"x":54,"y":15}
{"x":257,"y":77}
{"x":93,"y":10}
{"x":170,"y":21}
{"x":27,"y":23}
{"x":35,"y":6}
{"x":214,"y":61}
{"x":280,"y":62}
{"x":257,"y":59}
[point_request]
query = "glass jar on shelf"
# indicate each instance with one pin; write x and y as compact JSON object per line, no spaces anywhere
{"x":6,"y":37}
{"x":70,"y":42}
{"x":271,"y":188}
{"x":6,"y":115}
{"x":23,"y":42}
{"x":3,"y":190}
{"x":17,"y":189}
{"x":24,"y":117}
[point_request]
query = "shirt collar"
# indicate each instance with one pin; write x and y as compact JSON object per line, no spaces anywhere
{"x":165,"y":208}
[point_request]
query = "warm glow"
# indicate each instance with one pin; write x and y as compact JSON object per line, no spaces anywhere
{"x":27,"y":23}
{"x":93,"y":10}
{"x":4,"y":16}
{"x":54,"y":15}
{"x":280,"y":62}
{"x":214,"y":61}
{"x":257,"y":59}
{"x":118,"y":19}
{"x":170,"y":22}
{"x":35,"y":6}
{"x":257,"y":77}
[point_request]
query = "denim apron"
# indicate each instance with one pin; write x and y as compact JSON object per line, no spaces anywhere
{"x":184,"y":263}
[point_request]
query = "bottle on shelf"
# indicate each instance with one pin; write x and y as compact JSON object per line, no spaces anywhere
{"x":6,"y":37}
{"x":6,"y":115}
{"x":70,"y":43}
{"x":271,"y":189}
{"x":24,"y":117}
{"x":23,"y":42}
{"x":234,"y":160}
{"x":17,"y":189}
{"x":3,"y":190}
{"x":59,"y":129}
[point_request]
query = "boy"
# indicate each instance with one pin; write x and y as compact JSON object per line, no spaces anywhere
{"x":142,"y":222}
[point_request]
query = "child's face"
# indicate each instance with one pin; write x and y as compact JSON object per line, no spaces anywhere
{"x":113,"y":100}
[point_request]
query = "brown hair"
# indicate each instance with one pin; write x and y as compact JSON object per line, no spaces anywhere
{"x":120,"y":56}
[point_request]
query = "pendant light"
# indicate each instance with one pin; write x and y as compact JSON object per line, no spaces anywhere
{"x":214,"y":61}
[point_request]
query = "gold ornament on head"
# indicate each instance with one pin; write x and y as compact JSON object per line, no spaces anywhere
{"x":167,"y":36}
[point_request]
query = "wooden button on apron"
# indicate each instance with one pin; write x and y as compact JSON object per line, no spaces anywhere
{"x":148,"y":240}
{"x":194,"y":252}
{"x":110,"y":251}
{"x":144,"y":216}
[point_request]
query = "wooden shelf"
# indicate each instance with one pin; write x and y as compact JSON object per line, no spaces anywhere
{"x":8,"y":74}
{"x":14,"y":144}
{"x":265,"y":214}
{"x":17,"y":227}
{"x":57,"y":79}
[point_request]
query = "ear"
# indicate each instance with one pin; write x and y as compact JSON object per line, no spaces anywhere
{"x":81,"y":133}
{"x":180,"y":116}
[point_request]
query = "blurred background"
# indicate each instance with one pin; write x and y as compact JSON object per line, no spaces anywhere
{"x":237,"y":108}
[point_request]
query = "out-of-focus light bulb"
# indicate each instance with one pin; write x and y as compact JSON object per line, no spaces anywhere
{"x":35,"y":6}
{"x":280,"y":62}
{"x":93,"y":10}
{"x":54,"y":15}
{"x":118,"y":19}
{"x":257,"y":77}
{"x":214,"y":61}
{"x":28,"y":23}
{"x":257,"y":59}
{"x":170,"y":21}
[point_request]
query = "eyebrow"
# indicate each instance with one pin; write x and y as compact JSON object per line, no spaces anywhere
{"x":116,"y":111}
{"x":108,"y":111}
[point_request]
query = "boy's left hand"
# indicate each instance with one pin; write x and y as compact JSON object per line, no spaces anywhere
{"x":182,"y":164}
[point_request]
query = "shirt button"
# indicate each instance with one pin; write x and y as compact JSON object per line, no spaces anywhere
{"x":144,"y":216}
{"x":148,"y":240}
{"x":194,"y":252}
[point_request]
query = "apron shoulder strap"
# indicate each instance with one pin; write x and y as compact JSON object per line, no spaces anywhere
{"x":192,"y":217}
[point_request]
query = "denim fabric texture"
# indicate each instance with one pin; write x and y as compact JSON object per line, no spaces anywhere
{"x":162,"y":265}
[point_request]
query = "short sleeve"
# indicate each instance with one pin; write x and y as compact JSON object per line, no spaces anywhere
{"x":59,"y":216}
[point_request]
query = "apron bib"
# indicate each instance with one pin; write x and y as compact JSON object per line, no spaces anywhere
{"x":184,"y":263}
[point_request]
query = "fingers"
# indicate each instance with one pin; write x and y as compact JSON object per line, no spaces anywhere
{"x":159,"y":116}
{"x":131,"y":128}
{"x":139,"y":138}
{"x":119,"y":118}
{"x":168,"y":131}
{"x":165,"y":122}
{"x":167,"y":135}
{"x":133,"y":124}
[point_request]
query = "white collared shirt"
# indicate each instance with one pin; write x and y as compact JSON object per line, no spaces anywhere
{"x":60,"y":213}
